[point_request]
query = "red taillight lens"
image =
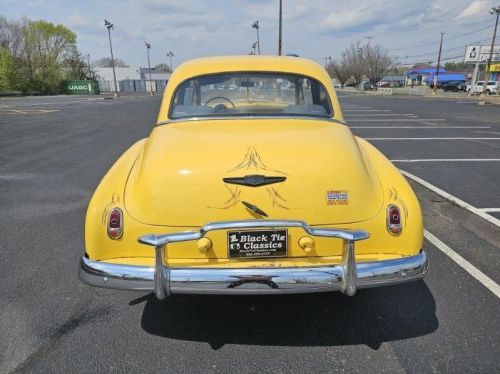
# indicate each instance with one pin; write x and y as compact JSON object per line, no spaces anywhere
{"x":394,"y":220}
{"x":115,"y":223}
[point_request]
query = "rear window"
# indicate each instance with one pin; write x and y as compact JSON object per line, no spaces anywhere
{"x":250,"y":94}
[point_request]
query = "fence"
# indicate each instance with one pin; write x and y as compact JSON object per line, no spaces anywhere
{"x":416,"y":92}
{"x":134,"y":85}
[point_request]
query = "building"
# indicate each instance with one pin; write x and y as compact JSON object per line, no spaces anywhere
{"x":131,"y":79}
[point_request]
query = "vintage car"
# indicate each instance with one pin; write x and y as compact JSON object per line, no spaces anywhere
{"x":251,"y":183}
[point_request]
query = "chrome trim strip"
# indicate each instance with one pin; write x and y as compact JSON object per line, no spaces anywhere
{"x":159,"y":240}
{"x":241,"y":281}
{"x":191,"y":119}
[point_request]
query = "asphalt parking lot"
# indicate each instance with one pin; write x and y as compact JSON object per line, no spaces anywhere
{"x":54,"y":151}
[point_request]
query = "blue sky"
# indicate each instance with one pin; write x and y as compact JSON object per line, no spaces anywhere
{"x":311,"y":28}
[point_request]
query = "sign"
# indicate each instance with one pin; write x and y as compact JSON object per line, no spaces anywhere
{"x":495,"y":68}
{"x":481,"y":53}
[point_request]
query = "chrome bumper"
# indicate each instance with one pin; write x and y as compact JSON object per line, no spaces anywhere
{"x":346,"y":277}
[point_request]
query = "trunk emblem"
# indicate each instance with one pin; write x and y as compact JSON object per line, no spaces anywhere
{"x":254,"y":180}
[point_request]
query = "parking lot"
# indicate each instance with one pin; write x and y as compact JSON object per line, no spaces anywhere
{"x":54,"y":151}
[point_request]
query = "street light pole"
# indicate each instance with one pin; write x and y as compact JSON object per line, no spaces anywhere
{"x":148,"y":47}
{"x":493,"y":11}
{"x":255,"y":25}
{"x":88,"y":63}
{"x":110,"y":27}
{"x":253,"y":47}
{"x":439,"y":61}
{"x":170,"y":54}
{"x":279,"y":37}
{"x":329,"y":58}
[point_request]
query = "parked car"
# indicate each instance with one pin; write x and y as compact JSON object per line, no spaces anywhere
{"x":253,"y":191}
{"x":477,"y":89}
{"x":383,"y":84}
{"x":454,"y":86}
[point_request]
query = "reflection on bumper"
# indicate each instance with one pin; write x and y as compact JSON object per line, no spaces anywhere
{"x":253,"y":280}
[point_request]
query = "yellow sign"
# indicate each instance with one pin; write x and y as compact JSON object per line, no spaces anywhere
{"x":495,"y":68}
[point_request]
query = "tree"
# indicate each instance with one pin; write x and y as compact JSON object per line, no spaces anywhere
{"x":163,"y":67}
{"x":355,"y":61}
{"x":75,"y":67}
{"x":377,"y":63}
{"x":340,"y":70}
{"x":105,"y":62}
{"x":45,"y":46}
{"x":6,"y":68}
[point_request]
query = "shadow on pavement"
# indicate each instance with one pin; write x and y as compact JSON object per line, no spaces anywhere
{"x":371,"y":317}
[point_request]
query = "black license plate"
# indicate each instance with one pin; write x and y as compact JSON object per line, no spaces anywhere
{"x":257,"y":244}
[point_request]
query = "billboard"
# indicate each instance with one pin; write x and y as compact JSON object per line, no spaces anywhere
{"x":481,"y":53}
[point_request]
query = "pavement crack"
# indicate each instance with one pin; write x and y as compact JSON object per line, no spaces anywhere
{"x":80,"y":315}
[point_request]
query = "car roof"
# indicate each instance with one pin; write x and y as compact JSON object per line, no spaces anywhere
{"x":246,"y":63}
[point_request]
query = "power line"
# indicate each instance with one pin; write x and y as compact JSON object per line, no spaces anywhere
{"x":450,"y":49}
{"x":448,"y":38}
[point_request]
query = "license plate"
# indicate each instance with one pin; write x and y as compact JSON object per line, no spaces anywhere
{"x":257,"y":243}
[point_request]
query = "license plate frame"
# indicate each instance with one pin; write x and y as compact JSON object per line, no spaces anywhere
{"x":265,"y":244}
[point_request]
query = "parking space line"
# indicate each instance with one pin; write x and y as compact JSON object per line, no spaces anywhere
{"x":464,"y":264}
{"x":367,"y":110}
{"x":448,"y":160}
{"x":398,"y":120}
{"x":381,"y":114}
{"x":452,"y":198}
{"x":420,"y":127}
{"x":453,"y":138}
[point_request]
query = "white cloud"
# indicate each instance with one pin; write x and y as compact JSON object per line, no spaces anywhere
{"x":477,"y":6}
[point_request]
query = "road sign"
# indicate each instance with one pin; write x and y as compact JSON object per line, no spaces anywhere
{"x":481,"y":53}
{"x":495,"y":68}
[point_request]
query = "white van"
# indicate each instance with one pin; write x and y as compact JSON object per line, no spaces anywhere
{"x":491,"y":88}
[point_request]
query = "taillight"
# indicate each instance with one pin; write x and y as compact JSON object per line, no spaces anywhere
{"x":115,"y":223}
{"x":394,"y":220}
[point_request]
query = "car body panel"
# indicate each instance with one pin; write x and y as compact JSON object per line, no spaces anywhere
{"x":190,"y":160}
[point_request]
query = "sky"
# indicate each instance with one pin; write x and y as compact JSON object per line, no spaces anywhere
{"x":410,"y":30}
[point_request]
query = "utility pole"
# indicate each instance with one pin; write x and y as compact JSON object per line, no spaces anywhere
{"x":88,"y":64}
{"x":148,"y":47}
{"x":253,"y":47}
{"x":280,"y":22}
{"x":326,"y":61}
{"x":493,"y":11}
{"x":255,"y":25}
{"x":110,"y":27}
{"x":369,"y":38}
{"x":170,"y":54}
{"x":439,"y":61}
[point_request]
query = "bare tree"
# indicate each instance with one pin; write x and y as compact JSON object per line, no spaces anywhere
{"x":340,"y":70}
{"x":105,"y":62}
{"x":163,"y":67}
{"x":355,"y":61}
{"x":377,"y":63}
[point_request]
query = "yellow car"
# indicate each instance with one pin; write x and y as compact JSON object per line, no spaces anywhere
{"x":251,"y":183}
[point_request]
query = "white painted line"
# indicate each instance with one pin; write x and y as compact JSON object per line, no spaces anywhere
{"x":399,"y":120}
{"x":380,"y":114}
{"x":367,"y":110}
{"x":449,"y":160}
{"x":490,"y":210}
{"x":464,"y":264}
{"x":452,"y":198}
{"x":454,"y":138}
{"x":420,"y":127}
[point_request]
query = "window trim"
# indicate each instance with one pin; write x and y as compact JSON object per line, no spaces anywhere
{"x":174,"y":94}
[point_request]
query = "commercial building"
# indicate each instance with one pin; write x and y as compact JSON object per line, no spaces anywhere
{"x":131,"y":79}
